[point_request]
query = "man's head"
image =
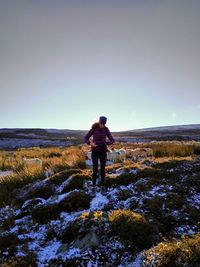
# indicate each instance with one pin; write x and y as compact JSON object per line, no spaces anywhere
{"x":102,"y":121}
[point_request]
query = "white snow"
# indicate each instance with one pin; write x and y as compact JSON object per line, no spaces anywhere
{"x":68,"y":217}
{"x":62,"y":186}
{"x":137,"y":262}
{"x":120,"y":171}
{"x":26,"y":203}
{"x":71,"y":253}
{"x":56,"y":199}
{"x":5,"y":173}
{"x":26,"y":142}
{"x":14,"y":229}
{"x":98,"y":202}
{"x":185,"y":230}
{"x":20,"y":253}
{"x":48,"y":252}
{"x":133,"y":171}
{"x":39,"y":235}
{"x":194,"y":200}
{"x":157,"y":191}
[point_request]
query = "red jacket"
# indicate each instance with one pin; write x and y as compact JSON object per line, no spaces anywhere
{"x":99,"y":138}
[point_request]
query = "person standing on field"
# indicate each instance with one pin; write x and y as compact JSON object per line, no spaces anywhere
{"x":99,"y":131}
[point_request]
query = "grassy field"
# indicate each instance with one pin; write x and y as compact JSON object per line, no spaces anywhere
{"x":59,"y":159}
{"x":151,"y":207}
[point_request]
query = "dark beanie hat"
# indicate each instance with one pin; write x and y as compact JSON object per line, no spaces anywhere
{"x":102,"y":119}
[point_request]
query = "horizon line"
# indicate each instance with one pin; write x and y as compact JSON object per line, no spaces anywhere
{"x":137,"y":129}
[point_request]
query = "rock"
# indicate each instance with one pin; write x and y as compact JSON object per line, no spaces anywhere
{"x":89,"y":240}
{"x":31,"y":203}
{"x":62,"y":249}
{"x":38,"y":190}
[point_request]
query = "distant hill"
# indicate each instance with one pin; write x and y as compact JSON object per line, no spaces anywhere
{"x":170,"y":128}
{"x":26,"y":137}
{"x":164,"y":133}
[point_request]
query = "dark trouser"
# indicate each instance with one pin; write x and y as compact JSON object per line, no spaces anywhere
{"x":96,"y":156}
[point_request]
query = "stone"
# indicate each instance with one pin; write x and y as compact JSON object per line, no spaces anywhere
{"x":89,"y":240}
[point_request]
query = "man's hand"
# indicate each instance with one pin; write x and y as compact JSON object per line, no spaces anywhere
{"x":93,"y":144}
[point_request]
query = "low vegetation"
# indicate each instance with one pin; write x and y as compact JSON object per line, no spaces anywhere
{"x":133,"y":228}
{"x":75,"y":200}
{"x":175,"y":253}
{"x":67,"y":160}
{"x":150,"y":208}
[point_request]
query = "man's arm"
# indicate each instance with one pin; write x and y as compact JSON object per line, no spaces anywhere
{"x":87,"y":136}
{"x":110,"y":137}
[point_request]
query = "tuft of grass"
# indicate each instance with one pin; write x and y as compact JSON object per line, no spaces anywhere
{"x":8,"y":223}
{"x":76,"y":200}
{"x":17,"y":180}
{"x":122,"y":179}
{"x":45,"y":213}
{"x":43,"y":191}
{"x":124,"y":194}
{"x":69,"y":234}
{"x":171,"y":149}
{"x":196,"y":148}
{"x":174,"y":253}
{"x":60,"y":177}
{"x":8,"y":244}
{"x":76,"y":182}
{"x":133,"y":227}
{"x":29,"y":260}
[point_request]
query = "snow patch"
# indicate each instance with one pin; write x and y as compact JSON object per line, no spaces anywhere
{"x":194,"y":200}
{"x":98,"y":202}
{"x":5,"y":173}
{"x":48,"y":252}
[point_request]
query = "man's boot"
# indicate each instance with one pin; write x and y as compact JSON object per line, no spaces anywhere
{"x":103,"y":189}
{"x":93,"y":190}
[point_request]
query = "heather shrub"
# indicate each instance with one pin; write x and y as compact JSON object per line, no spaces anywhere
{"x":174,"y":253}
{"x":133,"y":227}
{"x":75,"y":200}
{"x":45,"y":213}
{"x":76,"y":182}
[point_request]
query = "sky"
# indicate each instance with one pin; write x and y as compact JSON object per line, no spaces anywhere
{"x":64,"y":63}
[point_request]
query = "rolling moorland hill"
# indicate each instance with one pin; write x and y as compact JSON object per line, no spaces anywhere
{"x":14,"y":138}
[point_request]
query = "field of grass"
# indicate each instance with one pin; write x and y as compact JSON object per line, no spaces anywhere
{"x":149,"y":214}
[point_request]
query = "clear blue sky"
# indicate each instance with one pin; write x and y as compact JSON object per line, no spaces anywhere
{"x":64,"y":63}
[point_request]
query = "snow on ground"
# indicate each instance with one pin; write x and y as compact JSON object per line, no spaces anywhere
{"x":48,"y":252}
{"x":98,"y":202}
{"x":157,"y":191}
{"x":57,"y":198}
{"x":195,"y":200}
{"x":185,"y":230}
{"x":64,"y":184}
{"x":37,"y":234}
{"x":15,"y":142}
{"x":133,"y":171}
{"x":136,"y":263}
{"x":5,"y":173}
{"x":71,"y":253}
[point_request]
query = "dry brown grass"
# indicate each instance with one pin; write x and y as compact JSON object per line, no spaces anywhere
{"x":175,"y":253}
{"x":54,"y":157}
{"x":57,"y":159}
{"x":163,"y":149}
